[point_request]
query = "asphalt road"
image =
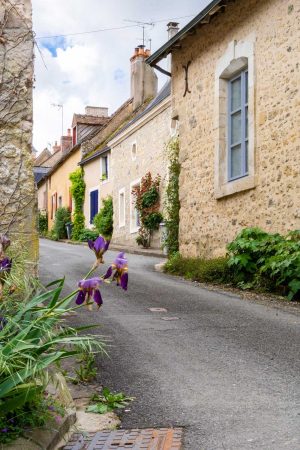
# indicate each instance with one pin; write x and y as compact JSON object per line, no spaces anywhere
{"x":227,"y":370}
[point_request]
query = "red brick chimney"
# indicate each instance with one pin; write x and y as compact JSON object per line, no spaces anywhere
{"x":66,"y":142}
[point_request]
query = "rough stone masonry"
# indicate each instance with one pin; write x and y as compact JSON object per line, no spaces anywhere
{"x":17,"y":190}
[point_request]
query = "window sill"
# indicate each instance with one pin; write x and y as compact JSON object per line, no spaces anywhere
{"x":104,"y":181}
{"x":133,"y":231}
{"x":235,"y":186}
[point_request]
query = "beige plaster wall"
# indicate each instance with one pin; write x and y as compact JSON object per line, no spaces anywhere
{"x":208,"y":223}
{"x":42,"y":196}
{"x":150,"y":140}
{"x":59,"y":182}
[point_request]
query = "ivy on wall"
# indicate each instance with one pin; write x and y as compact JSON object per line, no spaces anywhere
{"x":78,"y":193}
{"x":147,"y":203}
{"x":172,"y":203}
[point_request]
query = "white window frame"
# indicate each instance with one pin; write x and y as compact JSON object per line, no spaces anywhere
{"x":134,"y":227}
{"x":95,"y":188}
{"x":122,"y":192}
{"x":108,"y":168}
{"x":238,"y":56}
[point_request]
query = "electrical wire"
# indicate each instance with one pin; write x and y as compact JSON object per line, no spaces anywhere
{"x":111,"y":29}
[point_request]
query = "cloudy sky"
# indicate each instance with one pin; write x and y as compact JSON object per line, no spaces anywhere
{"x":75,"y":70}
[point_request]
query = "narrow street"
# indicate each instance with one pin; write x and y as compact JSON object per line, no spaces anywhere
{"x":225,"y":369}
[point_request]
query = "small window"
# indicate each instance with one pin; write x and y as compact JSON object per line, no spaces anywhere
{"x":104,"y":168}
{"x":133,"y":151}
{"x":45,"y":200}
{"x":60,"y":201}
{"x":134,"y":214}
{"x":93,"y":204}
{"x":238,"y":126}
{"x":122,"y":208}
{"x":53,"y":205}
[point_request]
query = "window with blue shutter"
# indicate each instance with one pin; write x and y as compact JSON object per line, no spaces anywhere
{"x":238,"y":126}
{"x":93,"y":204}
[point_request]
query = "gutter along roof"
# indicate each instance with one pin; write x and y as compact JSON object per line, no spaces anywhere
{"x":201,"y":19}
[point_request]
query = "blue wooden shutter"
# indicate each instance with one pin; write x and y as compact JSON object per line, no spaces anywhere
{"x":93,"y":204}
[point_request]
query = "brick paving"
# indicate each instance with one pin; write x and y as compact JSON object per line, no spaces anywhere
{"x":136,"y":439}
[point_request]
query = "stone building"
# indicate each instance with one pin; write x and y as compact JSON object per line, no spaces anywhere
{"x":139,"y":148}
{"x":54,"y":186}
{"x":96,"y":164}
{"x":236,"y":95}
{"x":17,"y":190}
{"x":106,"y":170}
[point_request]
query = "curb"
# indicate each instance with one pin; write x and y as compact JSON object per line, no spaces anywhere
{"x":130,"y":250}
{"x":48,"y":436}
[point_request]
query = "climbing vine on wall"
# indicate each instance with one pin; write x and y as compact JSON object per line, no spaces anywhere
{"x":78,"y":193}
{"x":172,"y":203}
{"x":147,"y":203}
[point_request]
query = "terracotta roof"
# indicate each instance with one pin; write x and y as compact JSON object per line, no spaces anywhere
{"x":162,"y":95}
{"x":101,"y":146}
{"x":43,"y":156}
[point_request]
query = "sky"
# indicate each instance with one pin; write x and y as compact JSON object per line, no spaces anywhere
{"x":76,"y":70}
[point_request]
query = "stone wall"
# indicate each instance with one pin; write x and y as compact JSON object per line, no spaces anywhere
{"x":17,"y":191}
{"x":150,"y":138}
{"x":209,"y":221}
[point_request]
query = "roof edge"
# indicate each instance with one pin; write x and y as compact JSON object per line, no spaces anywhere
{"x":165,"y":49}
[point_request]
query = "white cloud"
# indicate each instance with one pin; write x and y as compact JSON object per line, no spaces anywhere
{"x":91,"y":69}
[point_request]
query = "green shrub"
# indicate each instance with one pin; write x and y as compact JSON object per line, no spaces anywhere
{"x":172,"y":203}
{"x":206,"y":271}
{"x":103,"y":221}
{"x":62,"y":217}
{"x":42,"y":223}
{"x":87,"y":234}
{"x":150,"y":197}
{"x":78,"y":193}
{"x":33,"y":337}
{"x":265,"y":260}
{"x":153,"y":220}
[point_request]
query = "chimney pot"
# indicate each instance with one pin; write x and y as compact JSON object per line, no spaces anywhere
{"x":172,"y":28}
{"x":69,"y":132}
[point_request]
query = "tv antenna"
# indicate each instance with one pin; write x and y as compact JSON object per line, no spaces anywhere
{"x":141,"y":25}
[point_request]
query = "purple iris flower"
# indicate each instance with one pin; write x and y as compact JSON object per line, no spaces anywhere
{"x":88,"y":288}
{"x":99,"y":246}
{"x":5,"y":266}
{"x":119,"y":270}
